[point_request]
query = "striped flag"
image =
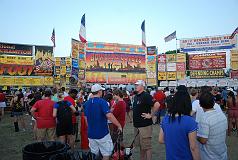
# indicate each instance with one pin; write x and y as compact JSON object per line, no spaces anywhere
{"x":143,"y":33}
{"x":170,"y":37}
{"x":234,"y":33}
{"x":53,"y":37}
{"x":82,"y":32}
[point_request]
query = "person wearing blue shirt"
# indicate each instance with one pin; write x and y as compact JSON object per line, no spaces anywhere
{"x":178,"y":129}
{"x":97,"y":114}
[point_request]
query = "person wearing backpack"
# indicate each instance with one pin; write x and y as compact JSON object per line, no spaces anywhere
{"x":63,"y":111}
{"x":17,"y":111}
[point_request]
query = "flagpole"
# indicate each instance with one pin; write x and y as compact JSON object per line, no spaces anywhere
{"x":176,"y":61}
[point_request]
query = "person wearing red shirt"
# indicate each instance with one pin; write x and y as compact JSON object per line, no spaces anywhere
{"x":2,"y":102}
{"x":119,"y":111}
{"x":45,"y":121}
{"x":160,"y":97}
{"x":71,"y":98}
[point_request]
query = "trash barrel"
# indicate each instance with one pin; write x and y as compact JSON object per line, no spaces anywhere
{"x":43,"y":150}
{"x":73,"y":155}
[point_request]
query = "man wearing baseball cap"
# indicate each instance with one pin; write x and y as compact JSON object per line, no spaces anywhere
{"x":97,"y":112}
{"x":142,"y":120}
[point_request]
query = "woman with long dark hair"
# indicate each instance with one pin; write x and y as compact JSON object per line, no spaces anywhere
{"x":17,"y":104}
{"x":179,"y":130}
{"x":232,"y":104}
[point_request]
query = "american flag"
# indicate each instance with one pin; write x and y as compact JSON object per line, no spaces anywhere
{"x":170,"y":37}
{"x":234,"y":33}
{"x":53,"y":37}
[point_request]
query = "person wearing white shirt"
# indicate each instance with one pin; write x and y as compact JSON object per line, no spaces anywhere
{"x":198,"y":112}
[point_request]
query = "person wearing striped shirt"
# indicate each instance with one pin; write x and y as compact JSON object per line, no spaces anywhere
{"x":212,"y":129}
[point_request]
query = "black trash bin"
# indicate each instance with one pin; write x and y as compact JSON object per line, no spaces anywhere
{"x":43,"y":150}
{"x":73,"y":155}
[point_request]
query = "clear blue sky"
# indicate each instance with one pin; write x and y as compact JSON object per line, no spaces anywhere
{"x":32,"y":21}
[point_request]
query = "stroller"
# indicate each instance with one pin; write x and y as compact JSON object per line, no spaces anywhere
{"x":121,"y":152}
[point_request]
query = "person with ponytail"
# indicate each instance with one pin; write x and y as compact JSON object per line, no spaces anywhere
{"x":178,"y":129}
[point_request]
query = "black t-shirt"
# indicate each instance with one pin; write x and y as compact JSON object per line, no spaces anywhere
{"x":142,"y":104}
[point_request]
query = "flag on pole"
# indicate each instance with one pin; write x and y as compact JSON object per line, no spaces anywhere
{"x":82,"y":32}
{"x":143,"y":33}
{"x":170,"y":37}
{"x":234,"y":33}
{"x":53,"y":37}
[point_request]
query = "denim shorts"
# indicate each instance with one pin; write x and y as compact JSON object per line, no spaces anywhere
{"x":17,"y":114}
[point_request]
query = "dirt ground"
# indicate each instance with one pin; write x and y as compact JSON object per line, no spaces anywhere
{"x":11,"y":143}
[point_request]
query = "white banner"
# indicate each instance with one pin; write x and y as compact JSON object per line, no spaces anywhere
{"x":222,"y":83}
{"x":164,"y":83}
{"x":161,"y":67}
{"x":171,"y":67}
{"x":211,"y":83}
{"x":207,"y":43}
{"x":191,"y":83}
{"x":182,"y":82}
{"x":201,"y":83}
{"x":233,"y":83}
{"x":172,"y":83}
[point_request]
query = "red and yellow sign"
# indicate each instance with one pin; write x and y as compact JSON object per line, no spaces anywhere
{"x":171,"y":76}
{"x":162,"y":76}
{"x":207,"y":61}
{"x":44,"y":60}
{"x":16,"y":70}
{"x":115,"y":62}
{"x":19,"y":60}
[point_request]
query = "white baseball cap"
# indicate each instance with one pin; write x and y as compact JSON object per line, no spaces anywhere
{"x":97,"y":87}
{"x":140,"y":82}
{"x":230,"y":89}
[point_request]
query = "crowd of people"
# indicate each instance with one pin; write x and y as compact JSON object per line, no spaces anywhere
{"x":193,"y":122}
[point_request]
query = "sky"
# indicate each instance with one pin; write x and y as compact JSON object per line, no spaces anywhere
{"x":117,"y":21}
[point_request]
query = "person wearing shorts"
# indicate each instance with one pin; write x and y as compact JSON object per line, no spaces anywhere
{"x":45,"y":122}
{"x":72,"y":96}
{"x":63,"y":111}
{"x":17,"y":111}
{"x":97,"y":114}
{"x":142,"y":120}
